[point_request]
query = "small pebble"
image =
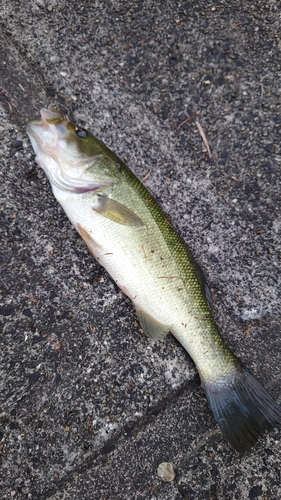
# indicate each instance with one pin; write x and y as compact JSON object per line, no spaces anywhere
{"x":166,"y":472}
{"x":4,"y":257}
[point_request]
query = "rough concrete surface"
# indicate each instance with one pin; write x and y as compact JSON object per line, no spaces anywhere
{"x":89,"y":406}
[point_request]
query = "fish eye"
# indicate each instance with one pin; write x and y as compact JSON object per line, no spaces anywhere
{"x":81,"y":132}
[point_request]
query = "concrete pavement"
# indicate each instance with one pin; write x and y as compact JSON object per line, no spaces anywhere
{"x":89,"y":406}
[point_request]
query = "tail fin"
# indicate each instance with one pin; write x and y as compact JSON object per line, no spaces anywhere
{"x":242,"y":408}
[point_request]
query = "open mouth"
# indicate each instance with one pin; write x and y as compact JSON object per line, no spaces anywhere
{"x":51,"y":126}
{"x":48,"y":117}
{"x":48,"y":137}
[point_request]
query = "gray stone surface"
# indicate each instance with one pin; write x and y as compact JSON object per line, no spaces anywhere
{"x":89,"y":406}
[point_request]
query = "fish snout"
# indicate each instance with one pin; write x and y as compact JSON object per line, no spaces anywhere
{"x":51,"y":115}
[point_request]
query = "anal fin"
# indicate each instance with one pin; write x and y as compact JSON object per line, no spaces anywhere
{"x":151,"y":327}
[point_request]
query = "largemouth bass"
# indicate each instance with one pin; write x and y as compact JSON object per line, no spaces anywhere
{"x":130,"y":236}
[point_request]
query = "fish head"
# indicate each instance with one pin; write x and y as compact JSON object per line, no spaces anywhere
{"x":67,"y":153}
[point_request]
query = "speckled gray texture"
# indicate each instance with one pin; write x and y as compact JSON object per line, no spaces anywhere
{"x":89,"y":406}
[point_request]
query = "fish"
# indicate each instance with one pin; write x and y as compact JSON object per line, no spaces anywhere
{"x":128,"y":233}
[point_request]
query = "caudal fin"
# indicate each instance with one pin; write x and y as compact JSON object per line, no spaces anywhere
{"x":242,"y":408}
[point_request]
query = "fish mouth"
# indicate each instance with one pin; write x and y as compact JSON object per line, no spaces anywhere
{"x":52,"y":126}
{"x":48,"y":116}
{"x":45,"y":135}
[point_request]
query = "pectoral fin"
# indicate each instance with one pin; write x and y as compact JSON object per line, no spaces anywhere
{"x":151,"y":327}
{"x":113,"y":210}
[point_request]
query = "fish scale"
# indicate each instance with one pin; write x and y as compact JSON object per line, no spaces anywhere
{"x":128,"y":233}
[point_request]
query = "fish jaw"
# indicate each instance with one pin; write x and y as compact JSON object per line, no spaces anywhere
{"x":52,"y":139}
{"x":44,"y":134}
